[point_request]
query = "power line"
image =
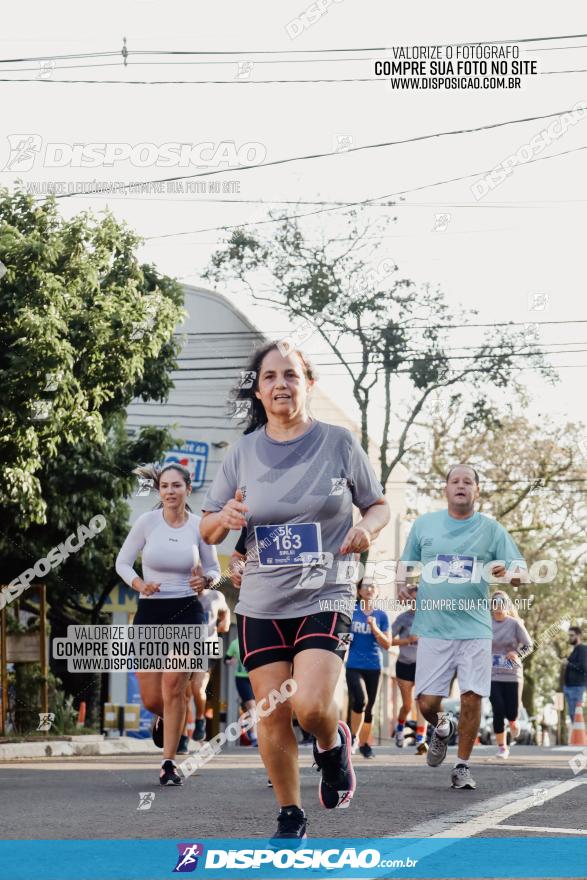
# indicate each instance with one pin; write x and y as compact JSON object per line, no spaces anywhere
{"x":206,"y":82}
{"x":211,"y":82}
{"x":446,"y":348}
{"x":233,"y":333}
{"x":331,"y":153}
{"x":199,"y":53}
{"x":191,"y":63}
{"x":378,"y":363}
{"x":355,"y":204}
{"x":551,"y":72}
{"x":65,"y":67}
{"x":413,"y":355}
{"x":555,"y":48}
{"x":50,"y":57}
{"x":397,"y":372}
{"x":518,"y":204}
{"x":186,"y":82}
{"x":247,"y":52}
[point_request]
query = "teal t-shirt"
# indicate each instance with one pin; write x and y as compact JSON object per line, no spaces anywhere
{"x":453,"y":591}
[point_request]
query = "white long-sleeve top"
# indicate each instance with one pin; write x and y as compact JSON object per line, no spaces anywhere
{"x":168,"y":554}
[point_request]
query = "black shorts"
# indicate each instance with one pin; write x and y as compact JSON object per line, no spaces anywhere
{"x":187,"y":612}
{"x":244,"y":688}
{"x":269,"y":640}
{"x":405,"y":671}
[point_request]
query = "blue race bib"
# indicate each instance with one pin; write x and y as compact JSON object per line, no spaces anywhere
{"x":288,"y":544}
{"x":454,"y":567}
{"x":501,"y":662}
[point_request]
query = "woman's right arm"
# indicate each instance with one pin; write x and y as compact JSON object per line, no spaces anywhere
{"x":134,"y":543}
{"x":226,"y":502}
{"x":214,"y":527}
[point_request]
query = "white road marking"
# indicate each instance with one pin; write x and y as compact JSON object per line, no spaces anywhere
{"x":541,"y":829}
{"x":447,"y":821}
{"x":486,"y":814}
{"x":491,"y":818}
{"x":448,"y":824}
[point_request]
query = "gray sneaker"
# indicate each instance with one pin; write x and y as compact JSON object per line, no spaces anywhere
{"x":438,"y":746}
{"x":461,"y":777}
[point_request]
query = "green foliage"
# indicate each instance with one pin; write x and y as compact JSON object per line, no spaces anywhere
{"x":25,"y":683}
{"x":65,"y":721}
{"x":84,"y":329}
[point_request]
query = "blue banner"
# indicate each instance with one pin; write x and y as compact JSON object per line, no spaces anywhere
{"x":133,"y":695}
{"x":317,"y":858}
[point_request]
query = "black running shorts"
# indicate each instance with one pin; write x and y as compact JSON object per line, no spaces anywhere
{"x":405,"y":671}
{"x":185,"y":611}
{"x":268,"y":640}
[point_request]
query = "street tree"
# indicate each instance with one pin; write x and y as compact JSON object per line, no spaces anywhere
{"x":85,"y":328}
{"x":342,"y":290}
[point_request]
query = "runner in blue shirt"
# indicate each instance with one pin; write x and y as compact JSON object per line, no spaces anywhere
{"x":370,"y":629}
{"x":461,"y":552}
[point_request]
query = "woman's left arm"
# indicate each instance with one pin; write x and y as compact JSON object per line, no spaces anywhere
{"x":373,"y":519}
{"x":525,"y":640}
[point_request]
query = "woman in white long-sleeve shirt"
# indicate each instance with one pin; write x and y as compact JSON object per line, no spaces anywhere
{"x":177,"y":566}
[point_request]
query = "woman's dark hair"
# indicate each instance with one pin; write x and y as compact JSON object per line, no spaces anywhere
{"x":153,"y":472}
{"x":256,"y":411}
{"x":364,"y":582}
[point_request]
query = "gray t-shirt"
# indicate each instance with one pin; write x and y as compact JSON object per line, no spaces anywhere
{"x":508,"y":635}
{"x":213,"y":602}
{"x":314,"y":479}
{"x":402,"y":628}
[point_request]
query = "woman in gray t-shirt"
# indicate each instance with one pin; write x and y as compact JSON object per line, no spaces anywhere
{"x":509,"y":637}
{"x":293,"y":482}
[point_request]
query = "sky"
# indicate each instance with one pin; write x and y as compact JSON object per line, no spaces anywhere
{"x":515,"y":255}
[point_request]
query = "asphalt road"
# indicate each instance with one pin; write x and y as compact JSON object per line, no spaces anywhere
{"x":534,"y":793}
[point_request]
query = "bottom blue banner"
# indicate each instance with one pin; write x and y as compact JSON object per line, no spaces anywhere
{"x":413,"y":858}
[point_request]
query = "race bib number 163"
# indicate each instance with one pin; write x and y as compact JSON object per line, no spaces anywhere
{"x":287,"y":544}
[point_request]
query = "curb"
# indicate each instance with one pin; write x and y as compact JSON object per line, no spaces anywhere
{"x":87,"y":746}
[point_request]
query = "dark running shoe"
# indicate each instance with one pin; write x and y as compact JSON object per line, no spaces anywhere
{"x":169,"y":774}
{"x":366,"y":751}
{"x":291,"y":825}
{"x":338,"y":782}
{"x":199,"y":730}
{"x":182,"y":746}
{"x":157,"y":732}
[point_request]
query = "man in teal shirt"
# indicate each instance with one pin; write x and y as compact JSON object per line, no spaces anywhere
{"x":460,"y":551}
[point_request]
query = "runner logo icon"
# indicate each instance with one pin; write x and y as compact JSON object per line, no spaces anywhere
{"x":187,"y":861}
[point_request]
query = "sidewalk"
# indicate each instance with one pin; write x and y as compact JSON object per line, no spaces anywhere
{"x":62,"y":746}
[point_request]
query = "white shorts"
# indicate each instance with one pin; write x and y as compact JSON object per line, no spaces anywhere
{"x":438,"y":660}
